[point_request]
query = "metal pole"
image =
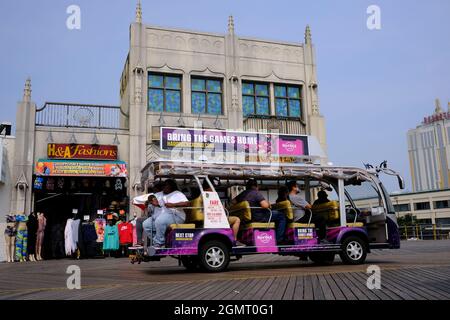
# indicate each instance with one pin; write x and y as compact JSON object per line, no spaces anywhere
{"x":406,"y":233}
{"x":434,"y":231}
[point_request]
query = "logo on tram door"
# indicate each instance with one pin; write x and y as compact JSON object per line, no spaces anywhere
{"x":264,"y":238}
{"x":305,"y":233}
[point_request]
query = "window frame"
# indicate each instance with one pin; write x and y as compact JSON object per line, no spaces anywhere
{"x":164,"y":89}
{"x":254,"y":96}
{"x":206,"y":79}
{"x":288,"y":99}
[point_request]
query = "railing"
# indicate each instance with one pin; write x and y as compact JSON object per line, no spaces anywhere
{"x":283,"y":125}
{"x":55,"y":114}
{"x":425,"y":232}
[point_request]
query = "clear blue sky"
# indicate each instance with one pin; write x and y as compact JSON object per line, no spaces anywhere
{"x":373,"y":85}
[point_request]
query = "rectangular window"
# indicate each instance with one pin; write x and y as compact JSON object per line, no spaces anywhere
{"x":255,"y":99}
{"x":401,"y":207}
{"x":288,"y":101}
{"x":443,"y":204}
{"x":164,"y":92}
{"x":206,"y":95}
{"x":422,"y":206}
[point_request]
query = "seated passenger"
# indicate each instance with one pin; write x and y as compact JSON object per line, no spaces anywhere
{"x":259,"y":208}
{"x":300,"y":205}
{"x":283,"y":194}
{"x":171,"y":199}
{"x":322,"y":197}
{"x":234,"y":222}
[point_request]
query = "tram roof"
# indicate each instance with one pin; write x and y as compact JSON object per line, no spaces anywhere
{"x":271,"y":171}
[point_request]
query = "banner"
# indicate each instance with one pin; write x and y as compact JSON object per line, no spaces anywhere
{"x":271,"y":144}
{"x":81,"y":151}
{"x":81,"y":168}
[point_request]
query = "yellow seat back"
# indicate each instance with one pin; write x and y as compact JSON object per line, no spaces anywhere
{"x":328,"y":210}
{"x":242,"y":210}
{"x":195,"y":214}
{"x":285,"y":207}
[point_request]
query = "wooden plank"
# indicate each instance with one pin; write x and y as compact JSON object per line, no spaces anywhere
{"x":345,"y":290}
{"x":382,"y":293}
{"x":298,"y":291}
{"x":308,"y":288}
{"x":272,"y":289}
{"x":317,"y":289}
{"x":267,"y":284}
{"x":355,"y":290}
{"x":420,"y":285}
{"x":394,"y":287}
{"x":413,"y":289}
{"x":289,"y":293}
{"x":225,"y":287}
{"x":361,"y":286}
{"x":279,"y":293}
{"x":239,"y":285}
{"x":336,"y":291}
{"x":253,"y":288}
{"x":326,"y":289}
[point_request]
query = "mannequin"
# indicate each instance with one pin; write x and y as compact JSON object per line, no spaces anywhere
{"x":10,"y":237}
{"x":42,"y":222}
{"x":32,"y":226}
{"x":21,"y":238}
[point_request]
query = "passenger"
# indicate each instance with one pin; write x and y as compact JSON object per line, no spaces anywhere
{"x":299,"y":213}
{"x":283,"y":194}
{"x":322,"y":197}
{"x":259,"y":209}
{"x":171,"y":199}
{"x":141,"y":235}
{"x":234,"y":222}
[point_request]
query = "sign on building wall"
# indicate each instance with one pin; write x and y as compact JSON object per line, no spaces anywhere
{"x":249,"y":143}
{"x":81,"y":151}
{"x":81,"y":168}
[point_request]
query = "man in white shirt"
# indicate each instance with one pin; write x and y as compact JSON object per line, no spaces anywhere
{"x":167,"y":212}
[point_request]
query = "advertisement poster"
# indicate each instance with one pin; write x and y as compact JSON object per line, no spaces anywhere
{"x":81,"y":168}
{"x":215,"y":216}
{"x":250,"y":143}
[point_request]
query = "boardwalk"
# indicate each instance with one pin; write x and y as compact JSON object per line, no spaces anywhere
{"x":418,"y":271}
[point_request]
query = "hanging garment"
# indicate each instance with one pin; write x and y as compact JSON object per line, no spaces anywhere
{"x":21,"y":244}
{"x":75,"y":229}
{"x":125,"y":233}
{"x":70,"y":245}
{"x":32,"y":226}
{"x":87,"y":240}
{"x":57,"y":236}
{"x":100,"y":229}
{"x":42,"y":222}
{"x":111,"y":241}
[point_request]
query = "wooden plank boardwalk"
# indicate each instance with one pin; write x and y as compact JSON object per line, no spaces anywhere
{"x":414,"y":273}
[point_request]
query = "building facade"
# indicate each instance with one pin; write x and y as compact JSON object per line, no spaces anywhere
{"x":429,"y":151}
{"x":171,"y":78}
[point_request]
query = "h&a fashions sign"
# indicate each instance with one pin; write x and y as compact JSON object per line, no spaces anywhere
{"x":81,"y":151}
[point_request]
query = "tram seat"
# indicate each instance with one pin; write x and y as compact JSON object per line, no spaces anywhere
{"x":301,"y":225}
{"x":242,"y":210}
{"x":260,"y":225}
{"x":182,"y":226}
{"x":355,"y":224}
{"x":328,"y":210}
{"x":286,"y":208}
{"x":196,"y":214}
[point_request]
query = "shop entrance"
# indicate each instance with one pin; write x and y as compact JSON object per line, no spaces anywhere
{"x":57,"y":197}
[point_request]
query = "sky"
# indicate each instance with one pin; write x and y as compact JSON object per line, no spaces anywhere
{"x":374,"y":85}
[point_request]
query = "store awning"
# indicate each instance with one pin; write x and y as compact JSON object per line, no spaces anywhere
{"x":80,"y":168}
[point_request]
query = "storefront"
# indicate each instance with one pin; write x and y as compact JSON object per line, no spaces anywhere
{"x":77,"y":181}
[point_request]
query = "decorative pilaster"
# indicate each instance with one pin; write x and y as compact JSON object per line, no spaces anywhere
{"x":139,"y":12}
